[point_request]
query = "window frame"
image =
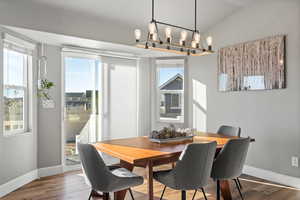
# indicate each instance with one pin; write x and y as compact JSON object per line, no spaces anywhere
{"x":158,"y":92}
{"x":27,"y":64}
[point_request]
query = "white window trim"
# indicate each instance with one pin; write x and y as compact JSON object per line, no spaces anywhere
{"x":158,"y":92}
{"x":73,"y":54}
{"x":29,"y":110}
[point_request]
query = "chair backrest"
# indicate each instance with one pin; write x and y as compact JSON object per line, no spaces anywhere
{"x":230,"y":161}
{"x":193,"y":169}
{"x":94,"y":167}
{"x":229,"y":131}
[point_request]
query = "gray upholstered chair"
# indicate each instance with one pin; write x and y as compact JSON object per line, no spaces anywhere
{"x":231,"y":131}
{"x":230,"y":162}
{"x":102,"y":178}
{"x":192,"y":171}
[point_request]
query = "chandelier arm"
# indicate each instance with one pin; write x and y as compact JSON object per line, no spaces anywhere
{"x":152,"y":10}
{"x":195,"y":15}
{"x":175,"y":26}
{"x":157,"y":31}
{"x":146,"y":44}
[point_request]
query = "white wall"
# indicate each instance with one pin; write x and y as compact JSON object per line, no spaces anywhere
{"x":46,"y":18}
{"x":271,"y":117}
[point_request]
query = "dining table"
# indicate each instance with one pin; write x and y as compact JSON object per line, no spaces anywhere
{"x":141,"y":152}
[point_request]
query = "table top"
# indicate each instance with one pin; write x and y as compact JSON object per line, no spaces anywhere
{"x":139,"y":149}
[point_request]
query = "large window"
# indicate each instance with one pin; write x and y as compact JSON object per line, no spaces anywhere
{"x":170,"y":90}
{"x":15,"y":91}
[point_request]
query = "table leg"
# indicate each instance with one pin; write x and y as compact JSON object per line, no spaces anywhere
{"x":121,"y":194}
{"x":150,"y":179}
{"x":225,"y":190}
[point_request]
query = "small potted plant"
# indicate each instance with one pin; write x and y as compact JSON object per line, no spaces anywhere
{"x":44,"y":88}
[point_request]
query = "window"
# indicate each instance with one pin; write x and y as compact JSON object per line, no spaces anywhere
{"x":170,"y":90}
{"x":254,"y":83}
{"x":15,"y":91}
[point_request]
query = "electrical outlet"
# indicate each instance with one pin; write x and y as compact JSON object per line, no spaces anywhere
{"x":295,"y":162}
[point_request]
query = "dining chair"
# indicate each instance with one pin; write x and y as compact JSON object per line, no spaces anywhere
{"x":231,"y":131}
{"x":230,"y":162}
{"x":192,"y":170}
{"x":105,"y":179}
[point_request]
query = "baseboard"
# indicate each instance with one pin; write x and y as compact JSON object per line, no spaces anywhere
{"x":272,"y":176}
{"x":18,"y":182}
{"x":50,"y":171}
{"x":72,"y":168}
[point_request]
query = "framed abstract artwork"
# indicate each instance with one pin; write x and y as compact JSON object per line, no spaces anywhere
{"x":255,"y":65}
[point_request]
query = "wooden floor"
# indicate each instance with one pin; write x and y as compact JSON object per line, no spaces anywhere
{"x":71,"y":185}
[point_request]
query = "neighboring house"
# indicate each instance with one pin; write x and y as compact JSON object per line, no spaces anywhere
{"x":79,"y":111}
{"x":13,"y":114}
{"x":74,"y":99}
{"x":171,"y":97}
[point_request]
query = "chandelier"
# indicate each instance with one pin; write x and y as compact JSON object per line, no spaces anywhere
{"x":184,"y":46}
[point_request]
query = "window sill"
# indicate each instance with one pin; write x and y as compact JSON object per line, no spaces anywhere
{"x":170,"y":121}
{"x":15,"y":134}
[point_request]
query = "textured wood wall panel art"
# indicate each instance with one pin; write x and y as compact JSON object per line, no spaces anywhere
{"x":255,"y":65}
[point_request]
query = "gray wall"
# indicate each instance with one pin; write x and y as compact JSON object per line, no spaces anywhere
{"x":49,"y":120}
{"x":18,"y":153}
{"x":271,"y":117}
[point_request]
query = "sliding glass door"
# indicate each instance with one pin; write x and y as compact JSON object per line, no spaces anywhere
{"x":82,"y":121}
{"x":100,"y":101}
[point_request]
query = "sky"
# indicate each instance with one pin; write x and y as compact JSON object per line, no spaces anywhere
{"x":13,"y":73}
{"x":79,"y":73}
{"x":166,"y":73}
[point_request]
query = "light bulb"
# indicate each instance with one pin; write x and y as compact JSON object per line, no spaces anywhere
{"x":168,"y":32}
{"x":194,"y":44}
{"x":154,"y":37}
{"x":209,"y":40}
{"x":151,"y":28}
{"x":197,"y":37}
{"x":183,"y":35}
{"x":137,"y":34}
{"x":182,"y":42}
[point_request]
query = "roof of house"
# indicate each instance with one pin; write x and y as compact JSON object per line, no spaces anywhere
{"x":74,"y":94}
{"x":171,"y":80}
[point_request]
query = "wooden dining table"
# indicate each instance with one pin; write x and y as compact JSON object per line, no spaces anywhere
{"x":141,"y":152}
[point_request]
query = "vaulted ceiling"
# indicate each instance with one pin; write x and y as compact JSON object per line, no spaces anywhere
{"x":136,"y":13}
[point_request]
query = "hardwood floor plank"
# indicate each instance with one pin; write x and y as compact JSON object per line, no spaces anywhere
{"x":71,"y":186}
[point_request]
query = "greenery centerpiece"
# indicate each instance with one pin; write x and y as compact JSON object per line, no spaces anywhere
{"x":171,"y":133}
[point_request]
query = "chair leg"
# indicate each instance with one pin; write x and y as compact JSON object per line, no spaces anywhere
{"x":238,"y":187}
{"x":241,"y":187}
{"x":194,"y":195}
{"x":204,"y":193}
{"x":162,"y":194}
{"x":91,"y":195}
{"x":130,"y":192}
{"x":218,"y":190}
{"x":183,"y":195}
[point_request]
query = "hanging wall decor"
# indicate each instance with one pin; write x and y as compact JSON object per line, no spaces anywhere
{"x":44,"y":85}
{"x":255,"y":65}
